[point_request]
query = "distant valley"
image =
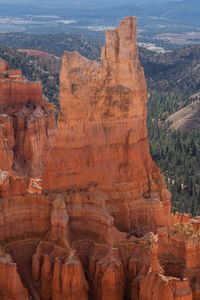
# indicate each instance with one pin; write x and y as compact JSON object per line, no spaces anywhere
{"x":169,"y":24}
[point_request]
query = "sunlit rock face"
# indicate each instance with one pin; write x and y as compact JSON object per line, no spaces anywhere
{"x":84,"y":211}
{"x":102,"y":134}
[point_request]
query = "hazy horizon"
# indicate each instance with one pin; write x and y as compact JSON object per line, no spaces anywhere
{"x":76,"y":3}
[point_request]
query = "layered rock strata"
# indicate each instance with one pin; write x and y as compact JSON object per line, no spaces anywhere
{"x":27,"y":125}
{"x":102,"y":134}
{"x":84,"y":211}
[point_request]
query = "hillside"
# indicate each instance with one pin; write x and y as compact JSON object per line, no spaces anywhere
{"x":186,"y":118}
{"x":53,"y":43}
{"x":173,"y":71}
{"x":172,"y":77}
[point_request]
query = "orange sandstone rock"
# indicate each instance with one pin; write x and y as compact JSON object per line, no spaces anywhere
{"x":84,"y":210}
{"x":27,"y":127}
{"x":13,"y":92}
{"x":3,"y":66}
{"x":11,"y":286}
{"x":156,"y":286}
{"x":107,"y":276}
{"x":102,"y":134}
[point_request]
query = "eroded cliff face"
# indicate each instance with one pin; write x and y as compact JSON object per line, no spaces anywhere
{"x":84,"y":211}
{"x":27,"y":125}
{"x":102,"y":134}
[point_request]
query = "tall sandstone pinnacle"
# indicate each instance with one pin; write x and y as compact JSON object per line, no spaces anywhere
{"x":102,"y":134}
{"x":84,"y":211}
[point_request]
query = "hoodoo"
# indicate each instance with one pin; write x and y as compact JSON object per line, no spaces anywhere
{"x":102,"y":134}
{"x":84,"y":210}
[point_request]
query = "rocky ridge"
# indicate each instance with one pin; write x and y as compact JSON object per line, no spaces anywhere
{"x":49,"y":62}
{"x":85,"y":213}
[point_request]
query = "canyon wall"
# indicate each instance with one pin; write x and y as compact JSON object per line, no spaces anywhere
{"x":14,"y":92}
{"x":84,"y":210}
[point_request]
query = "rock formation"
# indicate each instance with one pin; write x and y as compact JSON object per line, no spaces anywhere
{"x":84,"y":210}
{"x":102,"y":134}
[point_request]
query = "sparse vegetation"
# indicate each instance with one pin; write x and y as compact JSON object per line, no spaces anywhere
{"x":172,"y":79}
